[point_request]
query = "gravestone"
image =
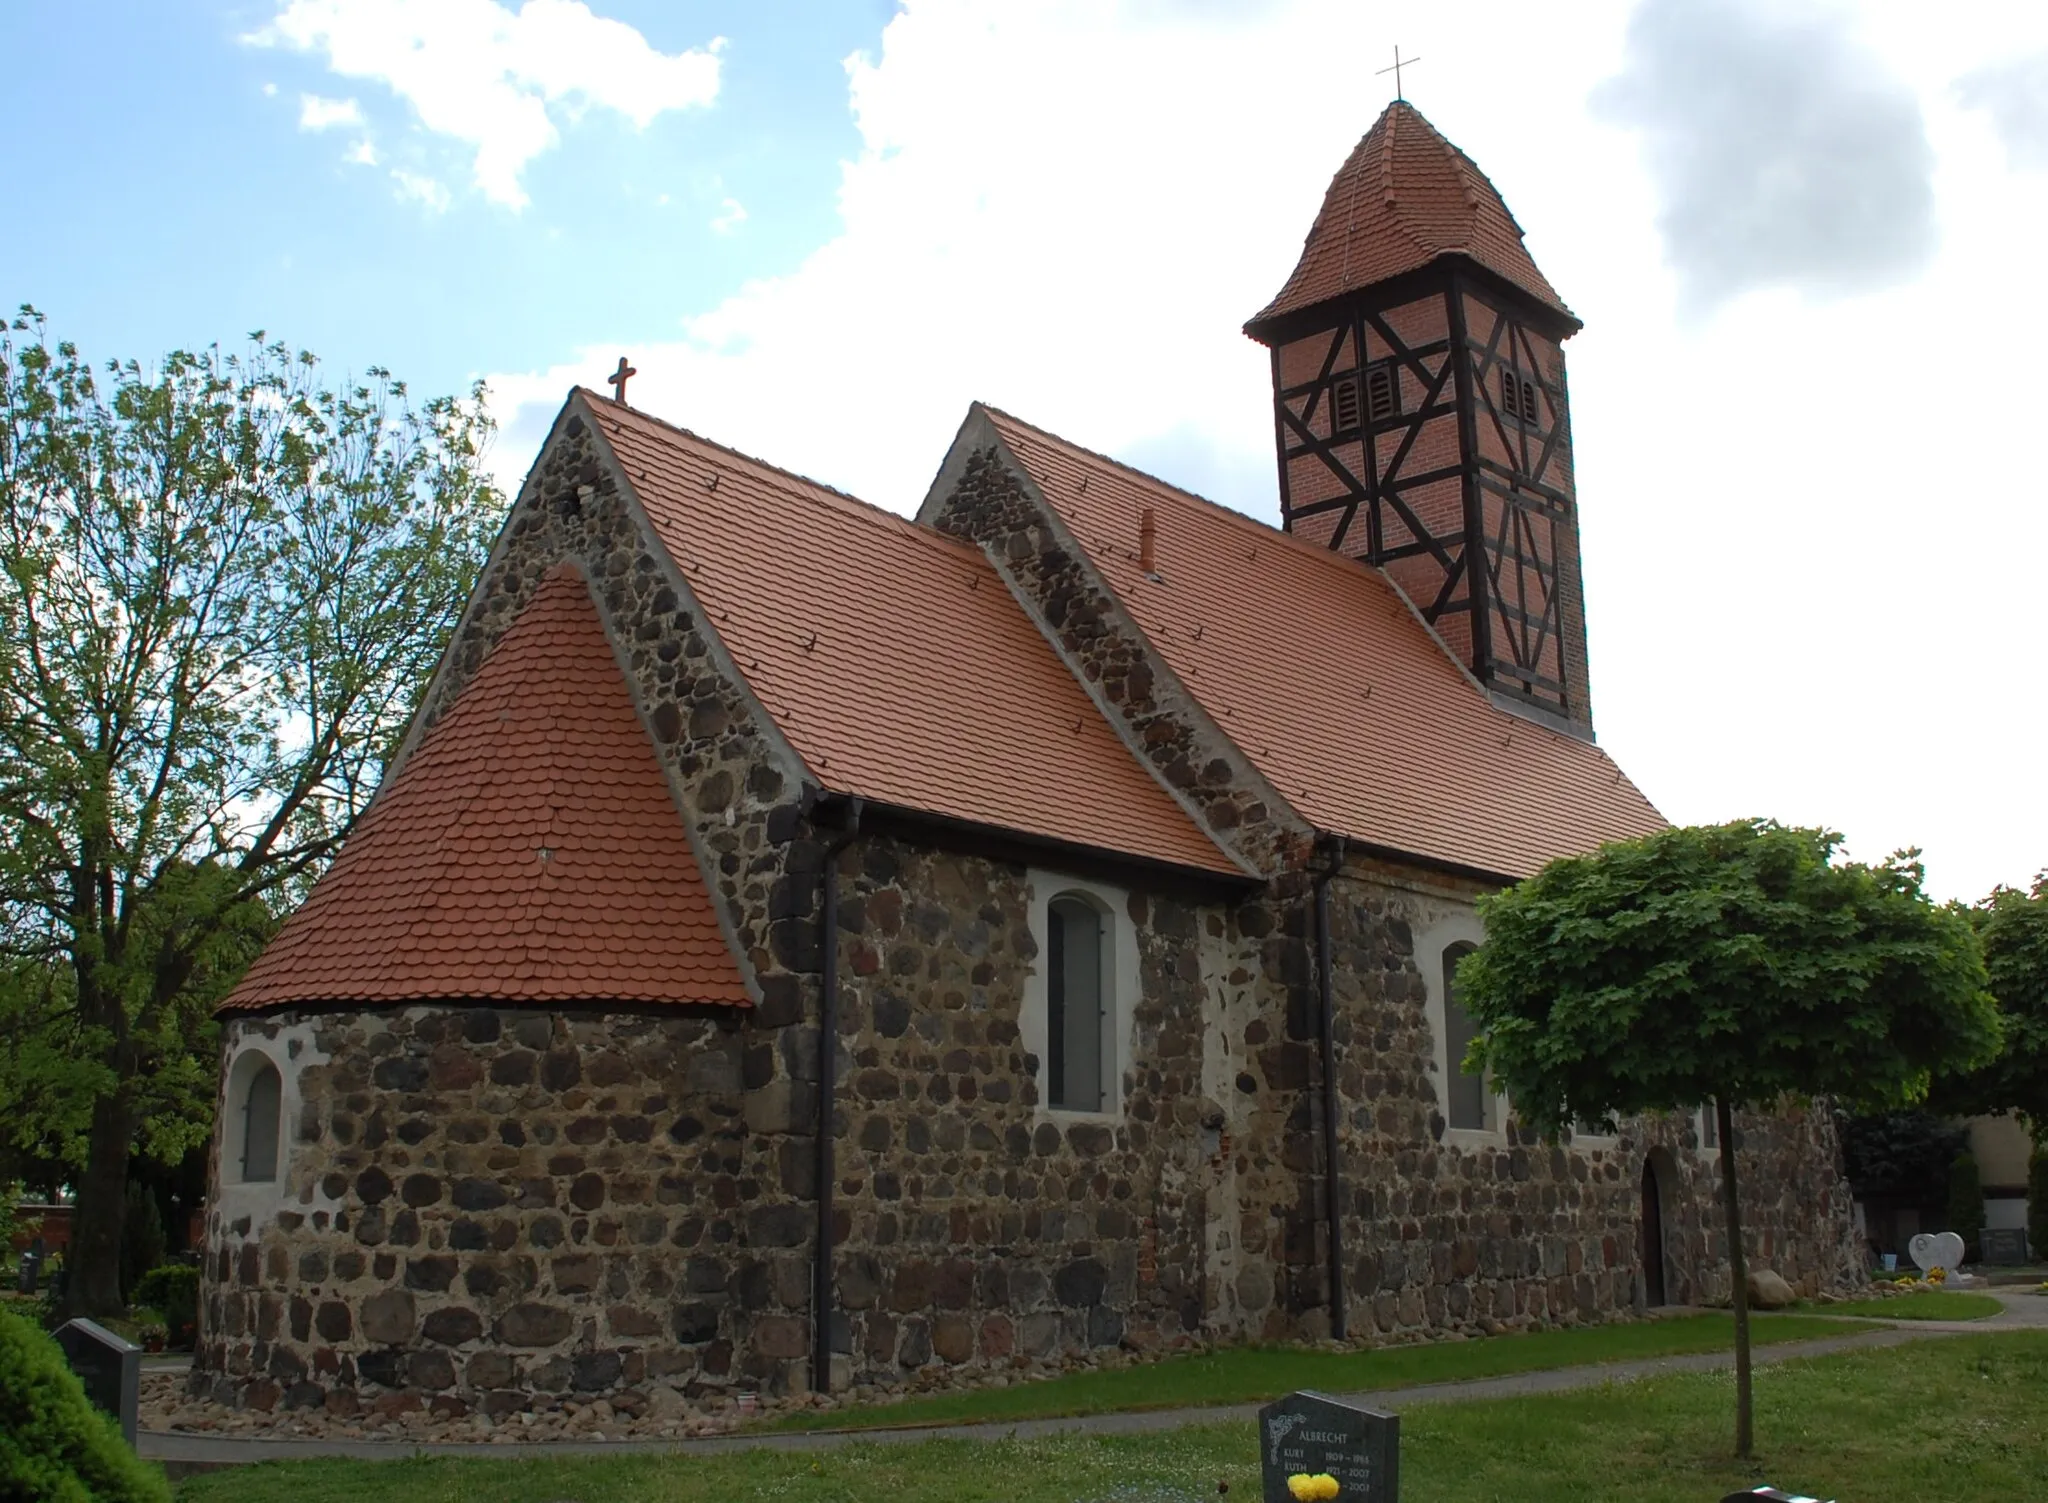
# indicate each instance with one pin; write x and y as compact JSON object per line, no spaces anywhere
{"x":1942,"y":1250}
{"x":2005,"y":1245}
{"x":110,"y":1369}
{"x":30,"y":1273}
{"x":1312,"y":1433}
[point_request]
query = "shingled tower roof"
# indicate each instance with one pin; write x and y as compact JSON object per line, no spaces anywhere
{"x":1405,"y":198}
{"x":528,"y":850}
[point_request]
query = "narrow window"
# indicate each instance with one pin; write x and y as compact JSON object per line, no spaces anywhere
{"x":1074,"y":996}
{"x":1382,"y":393}
{"x":1510,"y":393}
{"x":1467,"y":1092}
{"x":1710,"y":1127}
{"x":1528,"y":400}
{"x":1344,"y":405}
{"x":260,"y":1105}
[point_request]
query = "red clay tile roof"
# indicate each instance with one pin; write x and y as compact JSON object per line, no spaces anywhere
{"x":1340,"y":697}
{"x":893,"y":658}
{"x":527,"y":851}
{"x":1406,"y":197}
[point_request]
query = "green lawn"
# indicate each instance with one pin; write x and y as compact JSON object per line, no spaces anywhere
{"x":1238,"y":1375}
{"x":1962,"y":1418}
{"x":1924,"y":1304}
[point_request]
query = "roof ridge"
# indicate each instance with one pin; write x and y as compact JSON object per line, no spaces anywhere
{"x":860,"y":509}
{"x":1324,"y":556}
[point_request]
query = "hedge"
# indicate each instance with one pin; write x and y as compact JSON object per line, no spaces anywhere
{"x":53,"y":1443}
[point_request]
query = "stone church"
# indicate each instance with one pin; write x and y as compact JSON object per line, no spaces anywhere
{"x":798,"y":945}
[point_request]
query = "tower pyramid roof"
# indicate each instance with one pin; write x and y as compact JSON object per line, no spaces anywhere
{"x":1405,"y":198}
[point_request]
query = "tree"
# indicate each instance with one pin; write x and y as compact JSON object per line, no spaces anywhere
{"x":223,"y":583}
{"x":1966,"y":1203}
{"x":2013,"y":926}
{"x":1737,"y":964}
{"x":2037,"y":1202}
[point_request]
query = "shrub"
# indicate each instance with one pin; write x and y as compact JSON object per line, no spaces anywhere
{"x":174,"y":1290}
{"x":2037,"y":1202}
{"x":53,"y":1443}
{"x":142,"y":1237}
{"x":1966,"y":1204}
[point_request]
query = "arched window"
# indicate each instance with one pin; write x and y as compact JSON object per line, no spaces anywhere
{"x":1467,"y":1093}
{"x":1077,"y":1063}
{"x":255,"y":1113}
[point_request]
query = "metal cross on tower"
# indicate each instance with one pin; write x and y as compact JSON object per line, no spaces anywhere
{"x":618,"y":378}
{"x":1400,"y":62}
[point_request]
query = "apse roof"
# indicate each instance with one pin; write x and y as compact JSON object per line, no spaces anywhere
{"x":892,"y":658}
{"x":1405,"y":197}
{"x":1318,"y":669}
{"x":528,"y":850}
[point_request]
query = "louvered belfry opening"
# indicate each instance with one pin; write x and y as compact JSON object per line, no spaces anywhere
{"x":1419,"y":402}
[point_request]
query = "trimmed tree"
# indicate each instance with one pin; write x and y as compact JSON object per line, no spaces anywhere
{"x":1735,"y":964}
{"x":223,"y":583}
{"x":1966,"y":1205}
{"x":2013,"y":926}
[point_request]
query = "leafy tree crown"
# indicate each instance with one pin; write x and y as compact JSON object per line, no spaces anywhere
{"x":1739,"y":962}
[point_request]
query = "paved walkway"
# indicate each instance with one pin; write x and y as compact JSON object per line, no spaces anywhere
{"x":187,"y":1450}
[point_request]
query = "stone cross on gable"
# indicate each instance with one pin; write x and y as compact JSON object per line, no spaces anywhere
{"x":618,"y":379}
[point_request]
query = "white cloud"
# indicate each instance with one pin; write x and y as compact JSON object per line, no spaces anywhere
{"x":2014,"y":93}
{"x":1809,"y":573}
{"x":417,"y":188}
{"x":362,"y":154}
{"x":731,"y":215}
{"x":493,"y":78}
{"x":316,"y":113}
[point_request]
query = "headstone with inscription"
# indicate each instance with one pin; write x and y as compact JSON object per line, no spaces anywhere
{"x":2004,"y":1245}
{"x":109,"y":1367}
{"x":1314,"y":1434}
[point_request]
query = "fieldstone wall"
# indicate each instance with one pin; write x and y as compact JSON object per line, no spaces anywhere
{"x":480,"y":1204}
{"x":1450,"y":1231}
{"x":978,"y":1226}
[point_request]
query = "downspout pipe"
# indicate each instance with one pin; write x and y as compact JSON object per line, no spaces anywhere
{"x":828,"y":1063}
{"x":1333,"y":1179}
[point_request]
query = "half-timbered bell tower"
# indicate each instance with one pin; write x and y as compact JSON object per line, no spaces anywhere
{"x":1419,"y":407}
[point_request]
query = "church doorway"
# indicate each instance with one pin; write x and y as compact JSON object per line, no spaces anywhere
{"x":1654,"y":1290}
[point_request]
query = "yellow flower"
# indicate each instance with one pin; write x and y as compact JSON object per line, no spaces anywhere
{"x":1327,"y":1487}
{"x":1303,"y":1486}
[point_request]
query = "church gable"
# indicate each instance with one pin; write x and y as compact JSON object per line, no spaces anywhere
{"x":1323,"y":676}
{"x":529,"y":850}
{"x":892,"y":658}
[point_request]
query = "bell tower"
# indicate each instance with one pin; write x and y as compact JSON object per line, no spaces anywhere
{"x":1419,"y":410}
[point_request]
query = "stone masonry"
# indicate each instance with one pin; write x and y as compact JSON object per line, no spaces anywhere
{"x":481,"y":1206}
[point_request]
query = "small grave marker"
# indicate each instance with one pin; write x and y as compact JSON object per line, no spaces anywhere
{"x":110,"y":1368}
{"x":1312,"y":1433}
{"x":1942,"y":1250}
{"x":2005,"y":1245}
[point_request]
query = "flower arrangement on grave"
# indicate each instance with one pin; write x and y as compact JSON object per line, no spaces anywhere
{"x":1318,"y":1487}
{"x":1937,"y":1275}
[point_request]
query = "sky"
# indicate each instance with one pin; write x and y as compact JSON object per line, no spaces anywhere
{"x":1807,"y":403}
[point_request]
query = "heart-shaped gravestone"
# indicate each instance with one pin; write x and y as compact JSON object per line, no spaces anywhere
{"x":1937,"y":1250}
